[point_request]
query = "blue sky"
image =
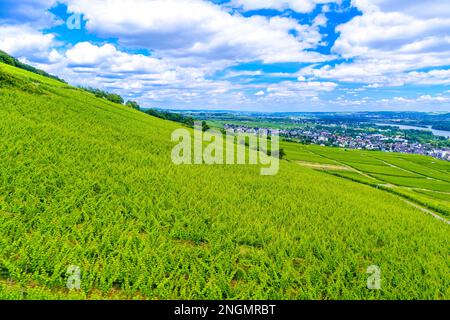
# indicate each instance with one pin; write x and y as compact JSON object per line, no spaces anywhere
{"x":265,"y":55}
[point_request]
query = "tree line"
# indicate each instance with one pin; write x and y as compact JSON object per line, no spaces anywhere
{"x":165,"y":115}
{"x":7,"y":59}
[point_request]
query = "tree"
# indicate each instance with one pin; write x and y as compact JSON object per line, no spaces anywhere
{"x":205,"y":126}
{"x":133,"y":105}
{"x":6,"y":58}
{"x":280,"y":154}
{"x":114,"y":98}
{"x":188,"y":121}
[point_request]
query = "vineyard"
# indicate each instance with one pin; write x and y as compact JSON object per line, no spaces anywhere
{"x":88,"y":183}
{"x":421,"y":179}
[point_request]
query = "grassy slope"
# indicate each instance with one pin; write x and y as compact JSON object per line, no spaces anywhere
{"x":89,"y":183}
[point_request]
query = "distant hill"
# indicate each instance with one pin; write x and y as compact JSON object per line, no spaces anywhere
{"x":6,"y":58}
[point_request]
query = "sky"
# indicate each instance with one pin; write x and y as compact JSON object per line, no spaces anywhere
{"x":249,"y":55}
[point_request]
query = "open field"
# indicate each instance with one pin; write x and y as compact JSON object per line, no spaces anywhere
{"x":89,"y":183}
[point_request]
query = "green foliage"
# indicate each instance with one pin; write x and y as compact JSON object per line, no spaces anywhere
{"x":115,"y":98}
{"x":87,"y":182}
{"x":280,"y":154}
{"x":172,"y":116}
{"x":298,"y":152}
{"x":7,"y":59}
{"x":133,"y":105}
{"x":416,"y":168}
{"x":354,"y":176}
{"x":439,"y":202}
{"x":382,"y":169}
{"x":10,"y":81}
{"x":205,"y":126}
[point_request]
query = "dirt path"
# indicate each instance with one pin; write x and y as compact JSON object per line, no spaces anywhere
{"x":427,"y":211}
{"x":409,"y":171}
{"x":323,"y":166}
{"x":422,"y":189}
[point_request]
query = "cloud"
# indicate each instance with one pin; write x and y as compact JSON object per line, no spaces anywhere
{"x":24,"y":41}
{"x":320,"y":21}
{"x":377,"y":74}
{"x":106,"y":62}
{"x":418,"y":9}
{"x":32,"y":12}
{"x":429,"y":98}
{"x":153,"y":80}
{"x":84,"y":54}
{"x":301,"y":6}
{"x":433,"y":77}
{"x":388,"y":43}
{"x":300,"y":89}
{"x":107,"y":57}
{"x":421,"y":103}
{"x":396,"y":40}
{"x":402,"y":37}
{"x":197,"y":32}
{"x":244,"y":73}
{"x":135,"y":76}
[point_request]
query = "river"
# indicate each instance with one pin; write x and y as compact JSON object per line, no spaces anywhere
{"x":440,"y":133}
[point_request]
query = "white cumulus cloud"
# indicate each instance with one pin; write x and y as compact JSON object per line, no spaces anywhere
{"x":196,"y":31}
{"x":23,"y":41}
{"x":302,"y":6}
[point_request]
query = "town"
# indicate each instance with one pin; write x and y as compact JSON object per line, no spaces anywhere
{"x":343,"y":136}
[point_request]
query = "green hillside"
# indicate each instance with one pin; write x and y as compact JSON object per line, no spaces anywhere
{"x":89,"y":183}
{"x":7,"y":59}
